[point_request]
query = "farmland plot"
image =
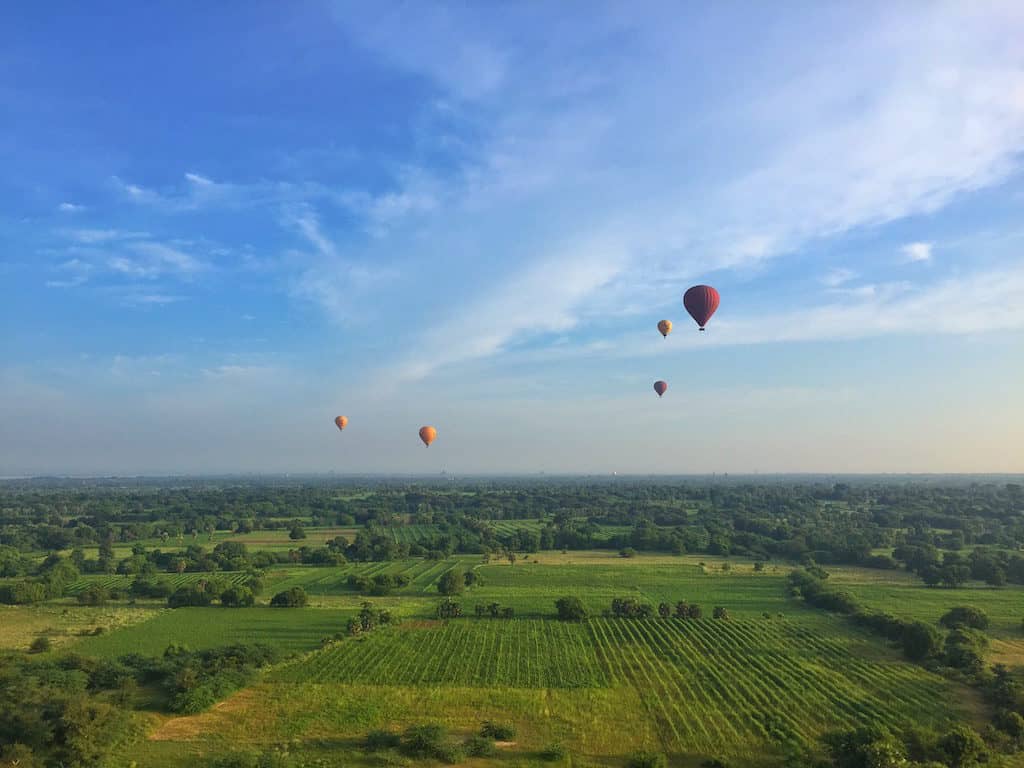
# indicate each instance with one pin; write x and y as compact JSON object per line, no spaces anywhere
{"x":709,"y":686}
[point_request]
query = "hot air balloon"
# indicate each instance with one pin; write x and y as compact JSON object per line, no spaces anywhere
{"x":660,"y":387}
{"x":701,"y":301}
{"x":665,"y":326}
{"x":341,"y":421}
{"x":428,"y":435}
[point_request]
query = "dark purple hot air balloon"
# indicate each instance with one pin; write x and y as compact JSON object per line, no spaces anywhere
{"x":701,"y":301}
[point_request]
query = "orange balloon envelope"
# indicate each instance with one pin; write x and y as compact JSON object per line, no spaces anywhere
{"x":428,"y":435}
{"x":660,"y":387}
{"x":341,"y":421}
{"x":665,"y":326}
{"x":701,"y":301}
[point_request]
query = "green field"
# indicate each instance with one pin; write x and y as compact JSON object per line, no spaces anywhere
{"x":773,"y":677}
{"x":289,"y":630}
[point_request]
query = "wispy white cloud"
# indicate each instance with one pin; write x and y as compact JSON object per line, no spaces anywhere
{"x":836,"y":277}
{"x":93,"y":236}
{"x":201,"y":181}
{"x":995,"y":299}
{"x":70,"y":208}
{"x":542,"y":300}
{"x":897,"y":117}
{"x":151,"y":299}
{"x":917,"y":251}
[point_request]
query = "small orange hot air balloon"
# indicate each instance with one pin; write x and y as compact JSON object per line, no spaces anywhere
{"x":341,"y":421}
{"x":665,"y":326}
{"x":428,"y":435}
{"x":660,"y":387}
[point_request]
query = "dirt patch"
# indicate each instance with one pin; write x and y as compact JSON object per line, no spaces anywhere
{"x":217,"y":718}
{"x":505,"y":744}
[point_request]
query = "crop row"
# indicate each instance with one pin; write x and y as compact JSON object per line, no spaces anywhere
{"x":118,"y":581}
{"x":709,"y":686}
{"x":514,"y":654}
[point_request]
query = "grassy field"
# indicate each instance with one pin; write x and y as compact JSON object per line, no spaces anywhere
{"x":740,"y":688}
{"x":775,"y":675}
{"x":904,"y":594}
{"x":64,"y":625}
{"x":290,"y":630}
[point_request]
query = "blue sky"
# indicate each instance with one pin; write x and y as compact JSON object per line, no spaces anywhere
{"x":222,"y":226}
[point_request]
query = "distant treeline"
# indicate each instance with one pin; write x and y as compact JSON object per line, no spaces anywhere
{"x":845,"y":522}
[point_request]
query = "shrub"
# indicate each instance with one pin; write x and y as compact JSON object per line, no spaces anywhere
{"x":237,"y":597}
{"x":295,"y":597}
{"x":553,"y":752}
{"x":720,"y":613}
{"x":94,"y":594}
{"x":962,"y":746}
{"x":627,"y":552}
{"x":449,"y":609}
{"x":40,"y":645}
{"x":498,"y":731}
{"x":920,"y":640}
{"x":379,"y":740}
{"x":478,"y":746}
{"x":189,"y":596}
{"x":646,"y":760}
{"x":423,"y":740}
{"x":964,"y":616}
{"x":570,"y":609}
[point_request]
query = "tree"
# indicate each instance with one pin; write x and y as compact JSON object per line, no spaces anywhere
{"x":296,"y":533}
{"x":646,"y":760}
{"x":40,"y":645}
{"x":920,"y":640}
{"x":962,"y":747}
{"x":449,"y":609}
{"x":664,"y":610}
{"x":719,"y":612}
{"x":627,"y":552}
{"x":570,"y":609}
{"x":18,"y":756}
{"x":193,"y":595}
{"x":450,"y":584}
{"x":94,"y":594}
{"x":295,"y":597}
{"x":237,"y":597}
{"x":472,"y":578}
{"x":869,"y":747}
{"x":964,"y":616}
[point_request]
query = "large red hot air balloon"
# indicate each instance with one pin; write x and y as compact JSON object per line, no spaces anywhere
{"x":660,"y":387}
{"x":701,"y":301}
{"x":428,"y":435}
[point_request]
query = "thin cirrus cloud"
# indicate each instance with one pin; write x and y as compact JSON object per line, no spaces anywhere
{"x":996,"y":299}
{"x":937,"y":116}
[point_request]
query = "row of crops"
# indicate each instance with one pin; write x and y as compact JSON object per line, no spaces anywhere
{"x":706,"y":683}
{"x":486,"y":653}
{"x":121,"y":582}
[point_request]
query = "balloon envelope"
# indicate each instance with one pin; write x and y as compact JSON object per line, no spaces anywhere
{"x":341,"y":421}
{"x":660,"y":387}
{"x":665,"y":326}
{"x":701,"y":301}
{"x":428,"y":435}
